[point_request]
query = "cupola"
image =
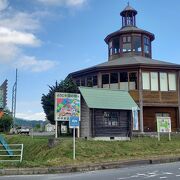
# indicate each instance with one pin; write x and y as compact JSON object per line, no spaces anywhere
{"x":129,"y":40}
{"x":128,"y":16}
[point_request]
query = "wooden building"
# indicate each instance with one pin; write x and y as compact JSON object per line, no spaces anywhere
{"x":153,"y":84}
{"x":106,"y":113}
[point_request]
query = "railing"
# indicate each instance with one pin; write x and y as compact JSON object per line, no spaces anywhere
{"x":15,"y":156}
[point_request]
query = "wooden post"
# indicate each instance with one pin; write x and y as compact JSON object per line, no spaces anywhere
{"x":141,"y":101}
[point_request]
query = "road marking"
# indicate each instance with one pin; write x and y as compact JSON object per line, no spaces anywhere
{"x":178,"y":175}
{"x":167,"y":173}
{"x":163,"y":177}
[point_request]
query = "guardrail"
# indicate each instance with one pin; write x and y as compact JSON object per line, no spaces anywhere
{"x":15,"y":156}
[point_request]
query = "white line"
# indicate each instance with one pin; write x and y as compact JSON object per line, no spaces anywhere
{"x":167,"y":173}
{"x":178,"y":175}
{"x":163,"y":177}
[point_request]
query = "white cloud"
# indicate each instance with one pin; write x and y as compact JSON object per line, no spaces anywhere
{"x":69,"y":3}
{"x":18,"y":30}
{"x":8,"y":36}
{"x":34,"y":65}
{"x":20,"y":21}
{"x":8,"y":52}
{"x":31,"y":116}
{"x":3,"y":4}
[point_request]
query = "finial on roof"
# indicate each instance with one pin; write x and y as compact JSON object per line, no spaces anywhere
{"x":128,"y":3}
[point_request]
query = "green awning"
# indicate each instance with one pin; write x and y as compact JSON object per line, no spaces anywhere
{"x":99,"y":98}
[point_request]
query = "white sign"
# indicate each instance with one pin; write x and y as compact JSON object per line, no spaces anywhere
{"x":164,"y":124}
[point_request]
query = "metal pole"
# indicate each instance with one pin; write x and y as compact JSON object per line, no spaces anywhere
{"x":14,"y":94}
{"x":74,"y":144}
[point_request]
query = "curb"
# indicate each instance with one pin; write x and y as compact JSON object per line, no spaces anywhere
{"x":83,"y":168}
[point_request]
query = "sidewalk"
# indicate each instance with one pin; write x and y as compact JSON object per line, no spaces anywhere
{"x":89,"y":167}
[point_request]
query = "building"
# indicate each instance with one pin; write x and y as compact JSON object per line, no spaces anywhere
{"x":106,"y":113}
{"x":49,"y":127}
{"x":153,"y":84}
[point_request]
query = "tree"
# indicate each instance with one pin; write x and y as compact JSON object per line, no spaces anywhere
{"x":47,"y":100}
{"x":6,"y":122}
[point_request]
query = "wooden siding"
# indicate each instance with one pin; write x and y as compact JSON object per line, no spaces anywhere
{"x":85,"y":124}
{"x":150,"y":117}
{"x":135,"y":95}
{"x":123,"y":128}
{"x":160,"y":97}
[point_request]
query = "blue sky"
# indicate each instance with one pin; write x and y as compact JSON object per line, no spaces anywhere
{"x":48,"y":39}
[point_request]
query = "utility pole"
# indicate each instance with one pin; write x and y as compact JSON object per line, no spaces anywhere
{"x":14,"y":94}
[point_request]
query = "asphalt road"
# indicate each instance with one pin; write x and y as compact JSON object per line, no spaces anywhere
{"x":170,"y":171}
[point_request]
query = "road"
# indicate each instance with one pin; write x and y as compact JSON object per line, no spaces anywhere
{"x":169,"y":171}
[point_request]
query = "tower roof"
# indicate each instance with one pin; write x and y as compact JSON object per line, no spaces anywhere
{"x":129,"y":9}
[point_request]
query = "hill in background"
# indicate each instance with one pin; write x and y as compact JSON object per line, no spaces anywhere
{"x":29,"y":123}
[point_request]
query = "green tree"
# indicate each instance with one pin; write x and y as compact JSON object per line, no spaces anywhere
{"x":47,"y":100}
{"x":6,"y":122}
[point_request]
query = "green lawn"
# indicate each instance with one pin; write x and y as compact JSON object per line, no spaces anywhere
{"x":38,"y":154}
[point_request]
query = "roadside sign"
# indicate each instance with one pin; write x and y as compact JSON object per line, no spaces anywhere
{"x":164,"y":126}
{"x":74,"y":122}
{"x":66,"y":105}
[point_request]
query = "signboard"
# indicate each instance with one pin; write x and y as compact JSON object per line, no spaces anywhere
{"x":135,"y":118}
{"x":67,"y":105}
{"x":74,"y":122}
{"x":164,"y":124}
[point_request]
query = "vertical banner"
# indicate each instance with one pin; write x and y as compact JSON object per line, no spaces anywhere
{"x":135,"y":118}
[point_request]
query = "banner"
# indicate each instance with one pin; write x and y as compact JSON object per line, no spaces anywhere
{"x":135,"y":118}
{"x":67,"y":105}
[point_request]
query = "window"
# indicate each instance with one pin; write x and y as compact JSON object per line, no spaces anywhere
{"x":95,"y":82}
{"x":136,"y":44}
{"x":145,"y":81}
{"x":126,"y":43}
{"x":110,"y":118}
{"x":163,"y":82}
{"x":154,"y":81}
{"x":114,"y":80}
{"x":116,"y":46}
{"x":146,"y":46}
{"x":132,"y":81}
{"x":162,"y":115}
{"x":172,"y":81}
{"x":89,"y":81}
{"x":124,"y":81}
{"x":110,"y":48}
{"x":105,"y":80}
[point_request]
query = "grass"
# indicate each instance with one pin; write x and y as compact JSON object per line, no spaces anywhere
{"x":38,"y":154}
